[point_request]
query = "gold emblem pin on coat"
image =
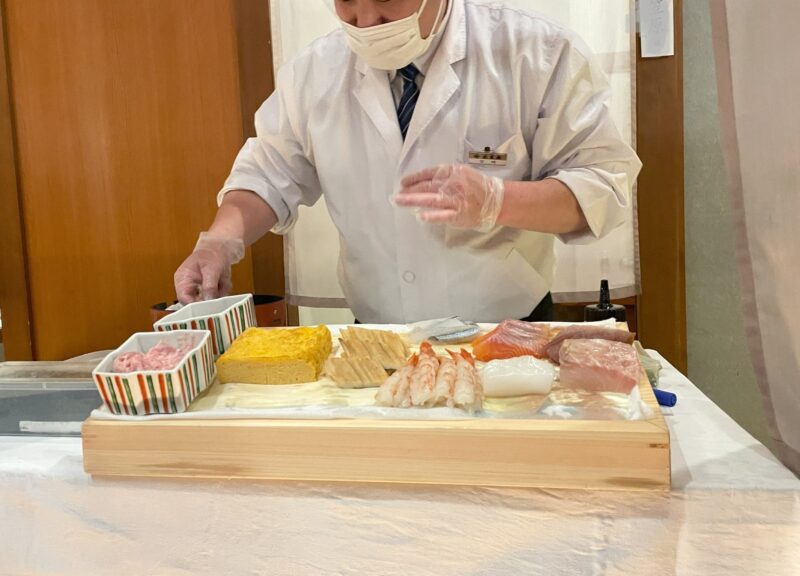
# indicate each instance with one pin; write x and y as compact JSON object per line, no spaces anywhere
{"x":488,"y":156}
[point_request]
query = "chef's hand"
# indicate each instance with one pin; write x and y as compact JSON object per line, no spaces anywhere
{"x":206,"y":273}
{"x":453,"y":194}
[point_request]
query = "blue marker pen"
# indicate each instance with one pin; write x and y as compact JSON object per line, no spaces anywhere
{"x":665,"y":398}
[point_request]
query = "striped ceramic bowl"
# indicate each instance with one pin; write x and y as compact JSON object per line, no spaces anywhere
{"x":225,"y":318}
{"x":157,"y":391}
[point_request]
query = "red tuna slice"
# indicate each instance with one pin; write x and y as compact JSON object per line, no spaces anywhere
{"x":599,"y":365}
{"x":512,"y":338}
{"x":581,"y":332}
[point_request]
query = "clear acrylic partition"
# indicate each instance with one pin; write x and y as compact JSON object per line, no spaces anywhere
{"x":312,"y":247}
{"x":47,"y":398}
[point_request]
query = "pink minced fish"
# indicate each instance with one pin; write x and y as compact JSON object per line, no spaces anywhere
{"x":162,"y":356}
{"x":585,"y":332}
{"x":599,"y":365}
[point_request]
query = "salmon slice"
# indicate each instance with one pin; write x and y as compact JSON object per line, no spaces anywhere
{"x":512,"y":338}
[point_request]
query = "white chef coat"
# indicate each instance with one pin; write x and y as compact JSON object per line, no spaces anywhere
{"x":501,"y":78}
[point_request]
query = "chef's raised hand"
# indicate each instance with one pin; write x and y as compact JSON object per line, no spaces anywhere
{"x":206,"y":273}
{"x":453,"y":194}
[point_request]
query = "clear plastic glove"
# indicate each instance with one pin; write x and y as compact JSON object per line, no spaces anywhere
{"x":453,"y":194}
{"x":206,"y":273}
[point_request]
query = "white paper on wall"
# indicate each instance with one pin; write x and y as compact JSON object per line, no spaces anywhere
{"x":657,"y":28}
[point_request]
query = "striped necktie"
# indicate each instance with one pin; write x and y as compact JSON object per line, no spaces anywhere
{"x":408,"y":100}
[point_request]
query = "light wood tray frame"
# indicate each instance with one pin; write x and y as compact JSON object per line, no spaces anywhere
{"x":590,"y":454}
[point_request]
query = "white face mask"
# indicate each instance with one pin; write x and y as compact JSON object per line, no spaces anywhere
{"x":393,"y":45}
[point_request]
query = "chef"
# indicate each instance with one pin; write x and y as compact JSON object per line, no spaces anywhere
{"x":453,"y":140}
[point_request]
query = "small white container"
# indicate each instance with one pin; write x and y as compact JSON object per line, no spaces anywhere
{"x":157,"y":391}
{"x":225,"y":318}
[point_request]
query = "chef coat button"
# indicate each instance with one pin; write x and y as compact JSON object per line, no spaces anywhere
{"x":409,"y":276}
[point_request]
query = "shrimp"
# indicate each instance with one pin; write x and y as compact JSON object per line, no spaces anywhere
{"x":476,"y":379}
{"x":424,"y":376}
{"x":468,"y":392}
{"x":427,"y":380}
{"x":445,"y":381}
{"x":394,"y":390}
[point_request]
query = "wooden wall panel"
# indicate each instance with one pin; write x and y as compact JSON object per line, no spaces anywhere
{"x":662,"y":304}
{"x":16,"y":331}
{"x":257,"y":81}
{"x":127,"y":115}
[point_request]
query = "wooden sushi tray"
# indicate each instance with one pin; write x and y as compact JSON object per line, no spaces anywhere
{"x":546,"y":453}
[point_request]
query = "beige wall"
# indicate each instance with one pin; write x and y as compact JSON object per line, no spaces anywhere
{"x":719,"y":362}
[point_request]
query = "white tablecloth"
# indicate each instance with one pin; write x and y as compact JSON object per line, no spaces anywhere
{"x":734,"y":510}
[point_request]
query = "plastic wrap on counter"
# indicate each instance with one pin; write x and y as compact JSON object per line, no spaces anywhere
{"x":325,"y":400}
